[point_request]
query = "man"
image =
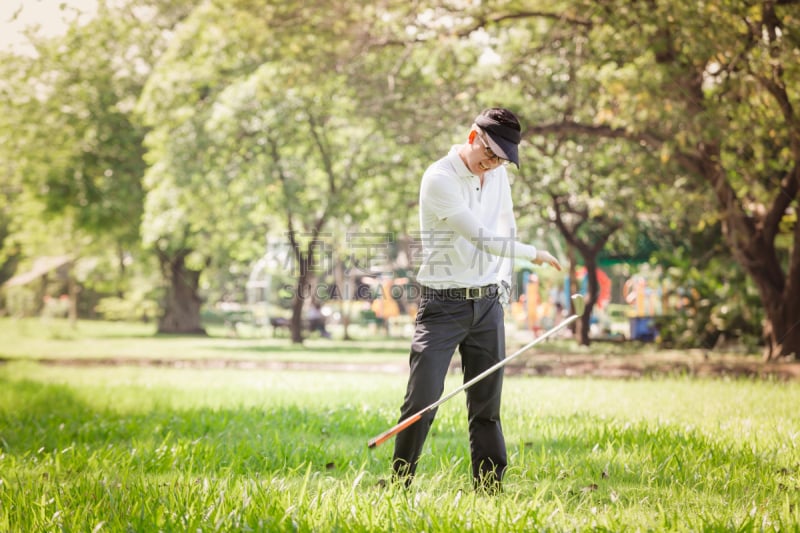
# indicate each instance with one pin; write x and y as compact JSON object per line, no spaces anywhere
{"x":467,"y":230}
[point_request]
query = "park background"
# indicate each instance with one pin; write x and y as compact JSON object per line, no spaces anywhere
{"x":186,"y":181}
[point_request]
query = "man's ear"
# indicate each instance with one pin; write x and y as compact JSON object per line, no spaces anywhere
{"x":472,"y":135}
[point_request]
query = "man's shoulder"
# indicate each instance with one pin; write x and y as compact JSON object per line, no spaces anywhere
{"x":442,"y":166}
{"x":440,"y":174}
{"x":444,"y":169}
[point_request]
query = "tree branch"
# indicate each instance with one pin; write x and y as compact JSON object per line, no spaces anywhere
{"x":324,"y":153}
{"x":646,"y":140}
{"x":284,"y":185}
{"x":482,"y":21}
{"x":789,"y":189}
{"x":594,"y":130}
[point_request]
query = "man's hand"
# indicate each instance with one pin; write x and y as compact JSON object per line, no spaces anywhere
{"x":543,"y":257}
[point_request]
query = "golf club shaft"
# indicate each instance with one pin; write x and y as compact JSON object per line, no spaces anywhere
{"x":386,"y":435}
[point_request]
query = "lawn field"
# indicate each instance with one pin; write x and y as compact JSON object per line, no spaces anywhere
{"x":143,"y":448}
{"x":33,"y":338}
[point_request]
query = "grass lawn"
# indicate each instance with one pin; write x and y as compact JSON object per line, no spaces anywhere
{"x":34,"y":338}
{"x":137,"y":448}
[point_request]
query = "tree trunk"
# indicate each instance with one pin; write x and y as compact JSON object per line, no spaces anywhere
{"x":591,"y":298}
{"x":302,"y":291}
{"x":781,"y":330}
{"x":753,"y":244}
{"x":345,"y":293}
{"x":181,"y":311}
{"x":781,"y":308}
{"x":589,"y":250}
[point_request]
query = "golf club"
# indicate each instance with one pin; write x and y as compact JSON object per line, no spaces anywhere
{"x":578,"y":306}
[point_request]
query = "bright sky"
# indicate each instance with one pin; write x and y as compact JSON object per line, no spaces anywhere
{"x":47,"y":15}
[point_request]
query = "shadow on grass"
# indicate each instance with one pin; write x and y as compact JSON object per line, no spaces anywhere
{"x":49,"y":420}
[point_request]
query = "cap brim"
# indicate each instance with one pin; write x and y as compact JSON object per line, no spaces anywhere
{"x":502,"y":147}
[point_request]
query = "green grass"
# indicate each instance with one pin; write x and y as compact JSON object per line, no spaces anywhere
{"x":58,"y":339}
{"x":132,"y":448}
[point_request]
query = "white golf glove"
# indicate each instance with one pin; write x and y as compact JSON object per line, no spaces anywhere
{"x":543,"y":257}
{"x":504,"y":293}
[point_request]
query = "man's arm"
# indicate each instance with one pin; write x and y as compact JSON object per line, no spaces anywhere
{"x":467,"y":225}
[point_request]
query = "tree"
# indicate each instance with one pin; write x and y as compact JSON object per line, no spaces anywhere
{"x":726,"y":114}
{"x":704,"y":86}
{"x":244,"y":143}
{"x":75,"y":152}
{"x":75,"y":148}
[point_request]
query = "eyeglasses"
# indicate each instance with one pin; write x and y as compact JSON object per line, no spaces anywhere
{"x":488,"y":151}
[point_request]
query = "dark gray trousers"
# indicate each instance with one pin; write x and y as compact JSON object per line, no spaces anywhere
{"x":476,"y":328}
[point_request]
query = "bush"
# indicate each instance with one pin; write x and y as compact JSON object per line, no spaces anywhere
{"x":718,"y":306}
{"x":22,"y":301}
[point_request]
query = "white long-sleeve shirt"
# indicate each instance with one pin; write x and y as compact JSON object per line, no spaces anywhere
{"x":468,"y":231}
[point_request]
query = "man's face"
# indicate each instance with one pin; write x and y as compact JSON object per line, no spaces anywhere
{"x":480,"y":158}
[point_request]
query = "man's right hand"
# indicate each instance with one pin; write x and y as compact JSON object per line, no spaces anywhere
{"x":543,"y":257}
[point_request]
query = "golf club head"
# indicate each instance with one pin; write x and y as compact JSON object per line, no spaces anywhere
{"x":578,"y":304}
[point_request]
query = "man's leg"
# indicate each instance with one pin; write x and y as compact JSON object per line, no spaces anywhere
{"x":441,"y":326}
{"x":481,"y":349}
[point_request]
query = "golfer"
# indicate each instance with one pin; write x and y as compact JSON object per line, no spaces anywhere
{"x":468,"y":239}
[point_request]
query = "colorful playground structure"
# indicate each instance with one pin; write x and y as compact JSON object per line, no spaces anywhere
{"x":629,"y":313}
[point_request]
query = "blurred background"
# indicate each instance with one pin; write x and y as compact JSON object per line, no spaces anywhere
{"x":256,"y":163}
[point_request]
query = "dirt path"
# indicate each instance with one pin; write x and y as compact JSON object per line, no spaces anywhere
{"x":659,"y":364}
{"x":536,"y":364}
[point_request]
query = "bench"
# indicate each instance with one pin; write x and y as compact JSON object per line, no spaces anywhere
{"x":279,"y":323}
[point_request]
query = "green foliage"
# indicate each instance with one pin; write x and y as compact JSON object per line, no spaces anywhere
{"x":717,"y":304}
{"x":77,"y":148}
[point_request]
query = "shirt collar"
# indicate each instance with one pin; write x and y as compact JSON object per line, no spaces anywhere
{"x":458,"y":164}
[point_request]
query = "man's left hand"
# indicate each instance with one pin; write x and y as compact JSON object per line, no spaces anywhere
{"x":543,"y":257}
